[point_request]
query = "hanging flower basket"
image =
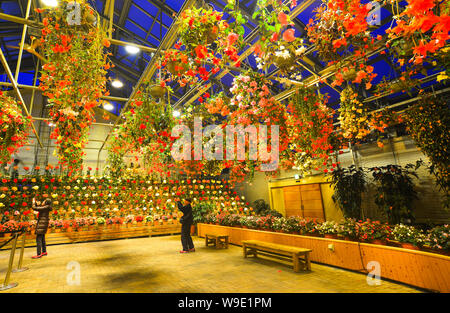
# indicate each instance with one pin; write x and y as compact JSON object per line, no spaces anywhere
{"x":157,"y":91}
{"x":349,"y":75}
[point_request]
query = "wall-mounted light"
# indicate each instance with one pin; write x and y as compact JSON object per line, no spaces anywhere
{"x":50,"y":3}
{"x":132,"y":49}
{"x":296,"y":176}
{"x":108,"y":106}
{"x":117,"y":83}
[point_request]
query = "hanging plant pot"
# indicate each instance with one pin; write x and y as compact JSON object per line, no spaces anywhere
{"x":157,"y":91}
{"x":349,"y":75}
{"x":211,"y":37}
{"x":176,"y":67}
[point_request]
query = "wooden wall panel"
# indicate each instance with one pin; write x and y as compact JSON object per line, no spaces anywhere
{"x":312,"y":201}
{"x":292,"y":201}
{"x":417,"y":268}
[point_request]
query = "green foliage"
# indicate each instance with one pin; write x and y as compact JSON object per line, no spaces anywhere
{"x":201,"y":210}
{"x":349,"y":185}
{"x":260,"y":207}
{"x":428,"y":122}
{"x":395,"y":191}
{"x":409,"y":234}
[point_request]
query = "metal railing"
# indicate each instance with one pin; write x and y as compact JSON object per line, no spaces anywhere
{"x":15,"y":235}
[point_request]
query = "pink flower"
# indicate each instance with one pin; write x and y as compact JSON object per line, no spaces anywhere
{"x":282,"y":17}
{"x":289,"y":35}
{"x":232,"y":38}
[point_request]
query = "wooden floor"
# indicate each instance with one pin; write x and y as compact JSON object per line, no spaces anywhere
{"x":155,"y":265}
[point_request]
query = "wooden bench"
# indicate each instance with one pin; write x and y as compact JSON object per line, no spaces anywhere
{"x":299,"y":256}
{"x":219,"y":241}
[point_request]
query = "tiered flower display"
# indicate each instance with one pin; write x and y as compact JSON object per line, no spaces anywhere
{"x":73,"y":77}
{"x":78,"y":201}
{"x":13,"y":127}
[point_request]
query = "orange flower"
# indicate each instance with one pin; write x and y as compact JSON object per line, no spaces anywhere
{"x":106,"y":42}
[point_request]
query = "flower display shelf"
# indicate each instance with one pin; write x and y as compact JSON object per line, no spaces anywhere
{"x":422,"y":269}
{"x":102,"y":233}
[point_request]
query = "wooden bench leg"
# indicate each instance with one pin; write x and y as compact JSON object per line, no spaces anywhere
{"x":226,"y":242}
{"x":296,"y":261}
{"x":308,"y":261}
{"x":206,"y":240}
{"x":245,"y":251}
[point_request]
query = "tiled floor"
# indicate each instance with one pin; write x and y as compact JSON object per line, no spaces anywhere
{"x":154,"y":265}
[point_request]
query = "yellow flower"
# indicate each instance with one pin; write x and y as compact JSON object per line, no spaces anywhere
{"x":441,"y":76}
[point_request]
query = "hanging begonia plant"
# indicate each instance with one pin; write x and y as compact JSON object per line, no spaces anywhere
{"x":340,"y":32}
{"x":147,"y":131}
{"x":428,"y":122}
{"x":311,"y":130}
{"x":278,"y":44}
{"x":13,"y":127}
{"x":73,"y":76}
{"x":206,"y":44}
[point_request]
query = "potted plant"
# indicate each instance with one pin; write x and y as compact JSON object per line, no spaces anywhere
{"x":374,"y":232}
{"x":408,"y":236}
{"x":328,"y":229}
{"x":139,"y":220}
{"x":395,"y":191}
{"x":149,"y":220}
{"x":438,"y":238}
{"x":349,"y":185}
{"x":348,"y":229}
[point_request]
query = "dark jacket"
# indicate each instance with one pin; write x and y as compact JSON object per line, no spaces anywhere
{"x":187,"y":217}
{"x":44,"y":218}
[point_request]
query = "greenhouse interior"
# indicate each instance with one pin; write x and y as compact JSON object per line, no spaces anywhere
{"x":205,"y":147}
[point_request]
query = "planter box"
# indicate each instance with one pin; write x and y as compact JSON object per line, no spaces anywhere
{"x":417,"y":268}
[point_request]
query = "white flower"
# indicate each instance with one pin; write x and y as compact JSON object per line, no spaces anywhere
{"x":300,"y":50}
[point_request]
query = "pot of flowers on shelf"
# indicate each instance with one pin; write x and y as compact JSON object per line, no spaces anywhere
{"x":100,"y":223}
{"x":90,"y":223}
{"x":139,"y":220}
{"x":51,"y":227}
{"x":409,"y":237}
{"x":328,"y":229}
{"x":109,"y":223}
{"x":128,"y":221}
{"x":148,"y":220}
{"x":118,"y":222}
{"x":58,"y":226}
{"x":437,"y":239}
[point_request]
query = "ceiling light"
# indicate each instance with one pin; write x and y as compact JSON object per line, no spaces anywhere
{"x":132,"y":49}
{"x":176,"y":113}
{"x":108,"y":106}
{"x":117,"y":83}
{"x":50,"y":3}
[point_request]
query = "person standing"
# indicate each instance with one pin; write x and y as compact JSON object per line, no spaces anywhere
{"x":41,"y":225}
{"x":186,"y":221}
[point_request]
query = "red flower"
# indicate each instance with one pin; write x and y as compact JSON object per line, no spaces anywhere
{"x":289,"y":35}
{"x":201,"y":51}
